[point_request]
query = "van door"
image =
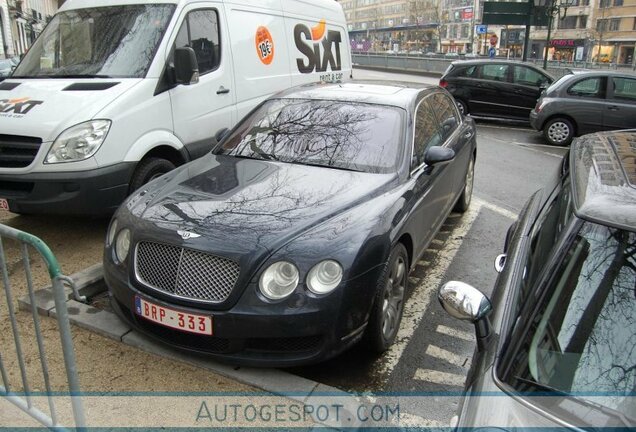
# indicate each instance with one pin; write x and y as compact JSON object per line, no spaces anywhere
{"x":202,"y":109}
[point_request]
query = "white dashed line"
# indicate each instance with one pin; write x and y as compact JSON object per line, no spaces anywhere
{"x":502,"y":211}
{"x":437,"y":377}
{"x":447,"y":356}
{"x":459,"y":334}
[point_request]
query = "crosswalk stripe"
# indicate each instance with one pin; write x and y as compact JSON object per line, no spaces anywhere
{"x":438,"y":377}
{"x":450,"y":357}
{"x":459,"y":334}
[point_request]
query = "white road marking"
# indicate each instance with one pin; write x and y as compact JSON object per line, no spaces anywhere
{"x":419,"y":300}
{"x":437,"y":377}
{"x":459,"y":334}
{"x":502,"y":211}
{"x":447,"y":356}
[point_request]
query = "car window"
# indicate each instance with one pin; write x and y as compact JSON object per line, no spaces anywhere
{"x":468,"y":71}
{"x":494,"y":72}
{"x":446,"y":113}
{"x":547,"y":229}
{"x":580,"y":339}
{"x":526,"y":76}
{"x":200,"y":31}
{"x":345,"y":135}
{"x":427,"y":133}
{"x":589,"y":87}
{"x":624,"y":88}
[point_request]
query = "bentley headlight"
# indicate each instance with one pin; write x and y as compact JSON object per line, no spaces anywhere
{"x":78,"y":142}
{"x":122,"y":245}
{"x":111,"y":233}
{"x":324,"y":277}
{"x":279,"y":280}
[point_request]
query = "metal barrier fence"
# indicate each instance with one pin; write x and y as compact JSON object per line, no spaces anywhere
{"x":437,"y":66}
{"x":24,"y":399}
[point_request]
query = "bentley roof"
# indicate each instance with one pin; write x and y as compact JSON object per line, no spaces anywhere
{"x":400,"y":94}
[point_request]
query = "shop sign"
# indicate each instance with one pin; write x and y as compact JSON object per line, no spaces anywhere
{"x":563,"y":43}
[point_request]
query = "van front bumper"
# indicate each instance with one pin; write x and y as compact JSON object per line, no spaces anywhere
{"x":97,"y":192}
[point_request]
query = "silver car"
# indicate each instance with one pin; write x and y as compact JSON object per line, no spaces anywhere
{"x":6,"y":67}
{"x":584,"y":102}
{"x":556,"y":342}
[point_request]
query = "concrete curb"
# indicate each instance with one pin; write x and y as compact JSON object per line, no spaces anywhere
{"x":90,"y":282}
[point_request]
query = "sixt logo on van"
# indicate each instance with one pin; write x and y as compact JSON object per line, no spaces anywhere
{"x":18,"y":106}
{"x":310,"y":47}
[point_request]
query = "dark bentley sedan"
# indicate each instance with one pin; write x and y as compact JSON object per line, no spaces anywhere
{"x":556,"y":347}
{"x":294,"y":238}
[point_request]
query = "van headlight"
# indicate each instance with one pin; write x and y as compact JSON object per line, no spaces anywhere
{"x":324,"y":277}
{"x":279,"y":280}
{"x":78,"y":142}
{"x":122,"y":245}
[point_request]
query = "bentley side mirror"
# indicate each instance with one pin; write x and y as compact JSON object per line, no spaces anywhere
{"x":186,"y":66}
{"x":467,"y":303}
{"x":437,"y":155}
{"x":221,"y":133}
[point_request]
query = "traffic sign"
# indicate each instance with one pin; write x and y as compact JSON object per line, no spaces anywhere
{"x":493,"y":40}
{"x":481,"y":29}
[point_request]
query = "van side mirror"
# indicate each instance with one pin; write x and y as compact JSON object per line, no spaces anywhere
{"x":467,"y":303}
{"x":185,"y":66}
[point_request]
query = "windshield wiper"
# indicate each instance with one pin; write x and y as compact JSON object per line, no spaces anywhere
{"x":79,"y":76}
{"x":324,"y":166}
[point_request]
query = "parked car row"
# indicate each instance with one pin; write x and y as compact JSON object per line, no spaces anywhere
{"x":580,"y":102}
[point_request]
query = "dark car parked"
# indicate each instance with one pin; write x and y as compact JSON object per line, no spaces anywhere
{"x":294,"y":239}
{"x":495,"y":88}
{"x":556,"y":347}
{"x":583,"y":102}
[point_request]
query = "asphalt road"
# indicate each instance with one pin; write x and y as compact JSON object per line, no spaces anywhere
{"x":433,"y":352}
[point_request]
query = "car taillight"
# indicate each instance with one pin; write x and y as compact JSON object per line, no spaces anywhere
{"x":538,"y":107}
{"x":443,"y":83}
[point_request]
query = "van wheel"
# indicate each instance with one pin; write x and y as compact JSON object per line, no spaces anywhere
{"x":386,"y":313}
{"x":464,"y":199}
{"x":461,"y":105}
{"x":558,"y":131}
{"x":149,"y":169}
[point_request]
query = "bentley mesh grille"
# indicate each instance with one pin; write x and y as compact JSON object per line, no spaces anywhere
{"x":184,"y":272}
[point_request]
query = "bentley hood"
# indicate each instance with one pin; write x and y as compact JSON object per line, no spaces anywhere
{"x":253,"y":204}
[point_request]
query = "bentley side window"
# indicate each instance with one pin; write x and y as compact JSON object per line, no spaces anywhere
{"x":427,"y":133}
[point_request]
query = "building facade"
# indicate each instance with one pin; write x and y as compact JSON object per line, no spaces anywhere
{"x":21,"y":23}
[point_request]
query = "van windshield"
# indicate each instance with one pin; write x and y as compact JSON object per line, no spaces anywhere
{"x":113,"y":41}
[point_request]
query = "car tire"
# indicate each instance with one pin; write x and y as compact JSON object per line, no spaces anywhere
{"x":388,"y":305}
{"x":462,"y":106}
{"x":467,"y":193}
{"x":558,"y":131}
{"x":149,"y":169}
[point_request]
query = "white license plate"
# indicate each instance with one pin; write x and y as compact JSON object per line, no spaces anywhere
{"x":4,"y":204}
{"x":191,"y":323}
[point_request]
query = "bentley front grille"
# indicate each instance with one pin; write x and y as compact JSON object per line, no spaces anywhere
{"x":185,"y":273}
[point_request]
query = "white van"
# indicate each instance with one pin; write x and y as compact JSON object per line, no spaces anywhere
{"x":113,"y":94}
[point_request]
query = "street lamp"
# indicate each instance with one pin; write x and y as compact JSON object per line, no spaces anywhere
{"x":554,"y":8}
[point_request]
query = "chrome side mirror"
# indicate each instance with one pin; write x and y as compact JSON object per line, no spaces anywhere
{"x":463,"y":301}
{"x":467,"y":303}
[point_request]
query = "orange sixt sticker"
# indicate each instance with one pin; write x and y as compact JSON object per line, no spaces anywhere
{"x":264,"y":45}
